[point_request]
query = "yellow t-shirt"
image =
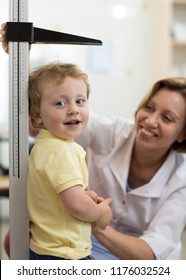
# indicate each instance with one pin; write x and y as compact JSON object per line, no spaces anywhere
{"x":56,"y":165}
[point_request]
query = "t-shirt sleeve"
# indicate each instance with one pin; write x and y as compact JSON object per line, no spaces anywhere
{"x":64,"y":170}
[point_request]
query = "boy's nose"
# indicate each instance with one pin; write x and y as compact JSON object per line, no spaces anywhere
{"x":73,"y":109}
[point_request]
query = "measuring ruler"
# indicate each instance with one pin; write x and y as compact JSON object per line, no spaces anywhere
{"x":18,"y":137}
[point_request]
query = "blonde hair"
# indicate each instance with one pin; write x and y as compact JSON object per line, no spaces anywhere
{"x":172,"y":84}
{"x":54,"y":72}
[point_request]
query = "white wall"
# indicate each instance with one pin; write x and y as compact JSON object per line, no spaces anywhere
{"x":122,"y":70}
{"x":4,"y":16}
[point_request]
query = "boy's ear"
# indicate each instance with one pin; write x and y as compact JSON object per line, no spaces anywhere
{"x":35,"y":115}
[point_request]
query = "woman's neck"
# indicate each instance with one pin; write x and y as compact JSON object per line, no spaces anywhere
{"x":143,"y":166}
{"x":149,"y":158}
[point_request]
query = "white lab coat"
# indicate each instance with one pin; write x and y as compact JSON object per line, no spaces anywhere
{"x":155,"y":212}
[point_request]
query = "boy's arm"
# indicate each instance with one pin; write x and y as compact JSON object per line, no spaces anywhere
{"x":83,"y":207}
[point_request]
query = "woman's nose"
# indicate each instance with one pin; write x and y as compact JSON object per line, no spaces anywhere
{"x":152,"y":120}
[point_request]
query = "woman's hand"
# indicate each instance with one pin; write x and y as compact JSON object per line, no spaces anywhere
{"x":3,"y":38}
{"x":106,"y":216}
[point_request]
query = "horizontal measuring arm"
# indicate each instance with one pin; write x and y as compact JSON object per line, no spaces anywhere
{"x":25,"y":32}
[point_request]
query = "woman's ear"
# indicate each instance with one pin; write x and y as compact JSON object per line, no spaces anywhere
{"x":182,"y":137}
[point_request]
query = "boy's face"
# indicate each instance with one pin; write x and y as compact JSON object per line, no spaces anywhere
{"x":64,"y":108}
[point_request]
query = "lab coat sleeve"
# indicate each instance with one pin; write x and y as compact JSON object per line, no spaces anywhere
{"x":102,"y":133}
{"x":163,"y":233}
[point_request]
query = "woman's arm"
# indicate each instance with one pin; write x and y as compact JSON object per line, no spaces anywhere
{"x":123,"y":246}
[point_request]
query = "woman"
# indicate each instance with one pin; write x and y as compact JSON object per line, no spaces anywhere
{"x":141,"y":166}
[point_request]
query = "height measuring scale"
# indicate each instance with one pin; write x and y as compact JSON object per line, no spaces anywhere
{"x":19,"y":34}
{"x":18,"y":137}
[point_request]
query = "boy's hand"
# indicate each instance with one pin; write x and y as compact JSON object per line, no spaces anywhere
{"x":94,"y":195}
{"x":106,"y":214}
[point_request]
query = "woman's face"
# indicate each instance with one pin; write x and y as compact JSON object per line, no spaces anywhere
{"x":162,"y":121}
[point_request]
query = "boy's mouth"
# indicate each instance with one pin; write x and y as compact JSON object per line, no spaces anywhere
{"x":73,"y":122}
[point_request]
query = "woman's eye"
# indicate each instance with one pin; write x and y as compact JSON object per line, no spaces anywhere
{"x":81,"y":101}
{"x":167,"y":118}
{"x":148,"y":107}
{"x":61,"y":103}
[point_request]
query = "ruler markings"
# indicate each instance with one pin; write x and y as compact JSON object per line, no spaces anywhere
{"x":19,"y":239}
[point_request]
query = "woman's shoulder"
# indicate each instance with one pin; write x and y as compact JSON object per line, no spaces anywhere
{"x":180,"y":158}
{"x":180,"y":165}
{"x":112,"y":123}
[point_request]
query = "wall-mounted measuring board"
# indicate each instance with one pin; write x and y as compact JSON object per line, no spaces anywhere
{"x":18,"y":137}
{"x":21,"y":33}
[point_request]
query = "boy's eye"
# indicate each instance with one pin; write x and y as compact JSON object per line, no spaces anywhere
{"x":80,"y":101}
{"x":61,"y":103}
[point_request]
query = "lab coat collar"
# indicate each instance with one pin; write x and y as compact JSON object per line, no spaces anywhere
{"x":122,"y":158}
{"x":155,"y":187}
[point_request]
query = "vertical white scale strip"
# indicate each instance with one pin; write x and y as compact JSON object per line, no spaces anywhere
{"x":18,"y":137}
